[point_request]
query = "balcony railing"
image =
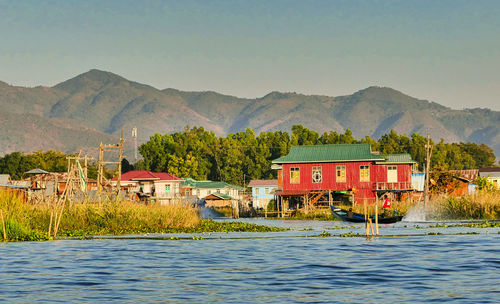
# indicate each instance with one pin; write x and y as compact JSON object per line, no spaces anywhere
{"x":401,"y":186}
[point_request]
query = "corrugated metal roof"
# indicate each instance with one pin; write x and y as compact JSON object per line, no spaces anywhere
{"x":219,"y":195}
{"x":143,"y":175}
{"x":494,"y":169}
{"x":466,"y":174}
{"x":403,"y":158}
{"x":263,"y":182}
{"x":189,"y":182}
{"x":327,"y":153}
{"x":37,"y":171}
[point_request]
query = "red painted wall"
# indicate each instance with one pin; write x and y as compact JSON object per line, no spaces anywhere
{"x":378,"y":173}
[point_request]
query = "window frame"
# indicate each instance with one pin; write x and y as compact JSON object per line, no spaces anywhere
{"x":339,"y":178}
{"x":316,"y":168}
{"x":364,"y":177}
{"x":295,"y":179}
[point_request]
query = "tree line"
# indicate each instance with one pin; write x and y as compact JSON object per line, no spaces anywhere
{"x":239,"y":157}
{"x":17,"y":163}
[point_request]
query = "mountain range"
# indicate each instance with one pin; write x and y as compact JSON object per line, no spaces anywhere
{"x":93,"y":107}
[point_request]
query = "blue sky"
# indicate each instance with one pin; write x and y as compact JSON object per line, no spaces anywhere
{"x":444,"y":51}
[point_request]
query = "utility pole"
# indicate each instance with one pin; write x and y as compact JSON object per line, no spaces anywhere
{"x":134,"y":136}
{"x":101,"y":163}
{"x":428,"y":154}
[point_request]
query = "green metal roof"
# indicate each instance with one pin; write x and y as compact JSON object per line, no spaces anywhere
{"x":189,"y":182}
{"x":397,"y":159}
{"x":328,"y":153}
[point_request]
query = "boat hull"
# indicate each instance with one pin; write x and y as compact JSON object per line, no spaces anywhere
{"x":360,"y":218}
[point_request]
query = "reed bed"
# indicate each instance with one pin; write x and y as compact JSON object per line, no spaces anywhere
{"x":27,"y":222}
{"x":480,"y":205}
{"x":483,"y":205}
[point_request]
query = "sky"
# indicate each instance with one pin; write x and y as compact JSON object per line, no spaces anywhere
{"x":447,"y":51}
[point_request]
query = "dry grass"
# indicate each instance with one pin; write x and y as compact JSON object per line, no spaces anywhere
{"x":481,"y":205}
{"x":25,"y":221}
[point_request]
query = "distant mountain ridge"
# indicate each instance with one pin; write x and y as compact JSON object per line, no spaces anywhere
{"x":96,"y":105}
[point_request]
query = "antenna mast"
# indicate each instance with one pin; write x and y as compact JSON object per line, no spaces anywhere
{"x":134,"y":136}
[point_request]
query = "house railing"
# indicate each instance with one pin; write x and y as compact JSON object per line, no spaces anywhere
{"x":392,"y":186}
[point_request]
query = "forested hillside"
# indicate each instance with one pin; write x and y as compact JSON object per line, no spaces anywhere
{"x":94,"y":106}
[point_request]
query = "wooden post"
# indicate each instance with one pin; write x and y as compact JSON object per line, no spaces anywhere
{"x":50,"y":222}
{"x":376,"y":213}
{"x":56,"y":226}
{"x":3,"y":226}
{"x":371,"y":225}
{"x":366,"y":218}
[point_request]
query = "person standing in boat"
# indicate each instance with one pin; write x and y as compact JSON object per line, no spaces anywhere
{"x":386,"y":208}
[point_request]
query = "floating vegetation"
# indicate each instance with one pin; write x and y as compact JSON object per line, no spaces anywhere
{"x":324,"y":234}
{"x":340,"y":227}
{"x":350,"y":234}
{"x":485,"y":224}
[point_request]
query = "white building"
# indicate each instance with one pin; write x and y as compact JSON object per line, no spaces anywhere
{"x":153,"y":186}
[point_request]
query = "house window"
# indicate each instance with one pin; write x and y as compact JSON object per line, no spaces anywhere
{"x":257,"y":191}
{"x":317,"y":176}
{"x":197,"y":192}
{"x":364,"y":173}
{"x":267,"y":190}
{"x":294,"y":175}
{"x":392,"y":174}
{"x":340,"y":174}
{"x":167,"y":188}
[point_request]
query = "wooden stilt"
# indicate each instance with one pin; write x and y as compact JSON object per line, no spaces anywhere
{"x":50,"y":223}
{"x":371,"y":226}
{"x":3,"y":226}
{"x":366,"y":218}
{"x":376,"y":214}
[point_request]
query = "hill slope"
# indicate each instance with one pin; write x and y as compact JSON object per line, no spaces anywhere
{"x":99,"y":104}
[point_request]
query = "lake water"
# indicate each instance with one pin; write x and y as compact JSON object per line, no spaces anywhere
{"x":293,"y":266}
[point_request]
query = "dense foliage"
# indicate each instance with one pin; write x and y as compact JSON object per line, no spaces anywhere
{"x":200,"y":154}
{"x":238,"y":157}
{"x":17,"y":163}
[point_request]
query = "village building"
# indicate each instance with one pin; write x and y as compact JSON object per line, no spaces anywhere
{"x":151,"y":186}
{"x":262,"y":192}
{"x":5,"y":180}
{"x":201,"y":189}
{"x":492,"y":174}
{"x":351,"y":173}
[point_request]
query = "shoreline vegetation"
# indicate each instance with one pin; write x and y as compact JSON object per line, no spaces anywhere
{"x":27,"y":222}
{"x":483,"y":205}
{"x":22,"y":221}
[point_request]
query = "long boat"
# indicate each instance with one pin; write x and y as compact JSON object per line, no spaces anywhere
{"x":354,"y":217}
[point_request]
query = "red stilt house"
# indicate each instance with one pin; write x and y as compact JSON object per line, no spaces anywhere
{"x":310,"y":175}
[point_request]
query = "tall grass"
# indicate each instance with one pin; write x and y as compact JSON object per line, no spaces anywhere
{"x":25,"y":222}
{"x":481,"y":205}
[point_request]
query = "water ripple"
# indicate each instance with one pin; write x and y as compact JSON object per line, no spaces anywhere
{"x":286,"y":267}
